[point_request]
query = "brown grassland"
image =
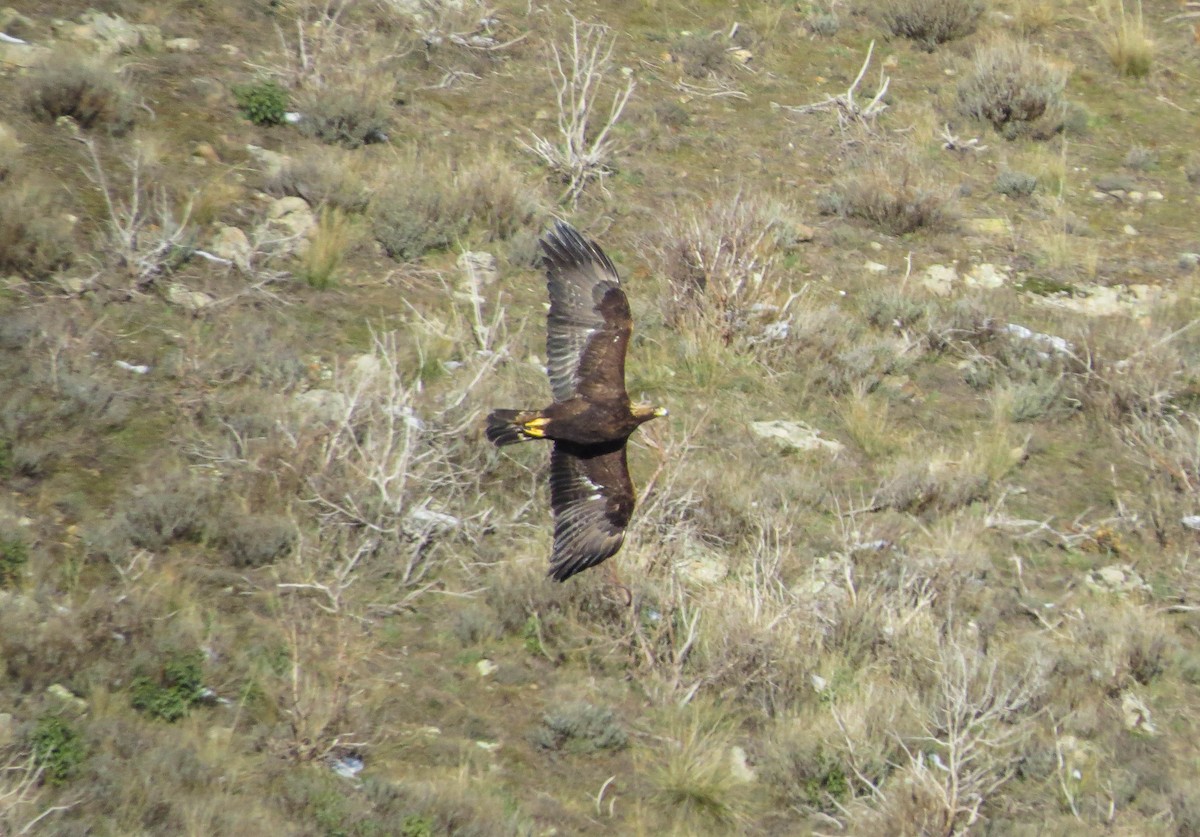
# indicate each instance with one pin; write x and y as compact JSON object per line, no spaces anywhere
{"x":260,"y":572}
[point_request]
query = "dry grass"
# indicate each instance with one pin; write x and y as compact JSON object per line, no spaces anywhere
{"x":1125,"y":37}
{"x":894,"y":190}
{"x":35,"y":237}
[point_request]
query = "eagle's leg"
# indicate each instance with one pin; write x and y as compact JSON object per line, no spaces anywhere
{"x":615,"y":581}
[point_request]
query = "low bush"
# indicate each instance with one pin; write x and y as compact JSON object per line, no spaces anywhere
{"x":932,"y":22}
{"x":83,"y":88}
{"x":263,"y":102}
{"x":1015,"y":90}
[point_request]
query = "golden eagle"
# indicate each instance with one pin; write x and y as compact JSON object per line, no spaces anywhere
{"x":587,"y":333}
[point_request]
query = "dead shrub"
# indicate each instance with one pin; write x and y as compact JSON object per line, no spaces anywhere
{"x":1014,"y":89}
{"x":35,"y":236}
{"x":931,"y":22}
{"x":83,"y":88}
{"x":892,"y":190}
{"x":702,"y":56}
{"x":722,"y":267}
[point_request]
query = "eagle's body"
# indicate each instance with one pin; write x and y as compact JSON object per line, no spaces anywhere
{"x":591,"y":417}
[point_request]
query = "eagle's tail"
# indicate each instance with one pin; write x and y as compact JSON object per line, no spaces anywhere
{"x":507,"y":427}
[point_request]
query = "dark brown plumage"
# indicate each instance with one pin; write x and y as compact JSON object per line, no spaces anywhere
{"x":587,"y":334}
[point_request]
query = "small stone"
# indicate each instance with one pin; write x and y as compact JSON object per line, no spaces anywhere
{"x":321,"y":405}
{"x":1191,"y":521}
{"x":1129,"y":229}
{"x":939,"y":279}
{"x":231,"y":243}
{"x":292,"y":218}
{"x":182,"y":45}
{"x":488,"y":746}
{"x":63,"y":694}
{"x":986,"y":276}
{"x":739,"y":766}
{"x":1189,"y":261}
{"x":1116,"y":578}
{"x":1101,"y":196}
{"x":1154,"y":195}
{"x":742,"y":56}
{"x":205,"y":151}
{"x":486,"y":667}
{"x":480,"y":265}
{"x":988,"y":226}
{"x":1137,"y":715}
{"x":795,"y":435}
{"x":875,"y":267}
{"x":272,"y":162}
{"x":191,"y":300}
{"x":1135,"y":197}
{"x":876,"y":246}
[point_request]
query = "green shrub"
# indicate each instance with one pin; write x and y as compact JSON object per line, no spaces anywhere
{"x":14,"y":555}
{"x":1014,"y":89}
{"x":580,"y":728}
{"x":931,"y":22}
{"x":257,"y":540}
{"x":83,"y":88}
{"x":1015,"y":184}
{"x":174,"y":691}
{"x":349,"y":115}
{"x":263,"y":103}
{"x":57,"y":749}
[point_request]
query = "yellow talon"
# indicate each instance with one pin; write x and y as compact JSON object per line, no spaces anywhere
{"x":533,"y":427}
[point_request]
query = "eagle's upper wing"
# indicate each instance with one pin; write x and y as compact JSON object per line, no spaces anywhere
{"x":587,"y":331}
{"x":592,"y":497}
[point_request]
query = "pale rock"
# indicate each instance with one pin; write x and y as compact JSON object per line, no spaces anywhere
{"x":1154,"y":195}
{"x":112,"y":34}
{"x":488,"y":746}
{"x":795,"y":435}
{"x":22,"y":56}
{"x":1137,"y":715}
{"x":875,"y":267}
{"x":365,"y":368}
{"x":191,"y":300}
{"x":739,"y":765}
{"x":1191,"y":521}
{"x":486,"y":667}
{"x":64,"y":695}
{"x":480,"y":265}
{"x":1135,"y":197}
{"x":1136,"y":300}
{"x":232,"y":244}
{"x":1101,"y":196}
{"x":1189,"y":261}
{"x":986,"y":276}
{"x":939,"y":279}
{"x":292,"y":218}
{"x":1116,"y":578}
{"x":701,"y":565}
{"x":988,"y":226}
{"x":1129,"y":229}
{"x":1047,"y":341}
{"x":182,"y":45}
{"x":876,"y":246}
{"x":272,"y":162}
{"x":742,"y":56}
{"x":320,"y":405}
{"x":205,"y":151}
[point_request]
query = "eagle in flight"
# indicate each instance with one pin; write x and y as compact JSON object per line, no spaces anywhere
{"x":587,"y":334}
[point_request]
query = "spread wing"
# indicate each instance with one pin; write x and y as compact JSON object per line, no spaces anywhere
{"x":587,"y":331}
{"x":592,"y":497}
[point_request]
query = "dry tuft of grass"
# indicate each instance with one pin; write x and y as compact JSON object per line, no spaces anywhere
{"x":335,"y":236}
{"x":1125,"y":36}
{"x":893,"y":190}
{"x":1015,"y":90}
{"x":931,"y":22}
{"x":694,"y":783}
{"x":35,"y":236}
{"x":83,"y":88}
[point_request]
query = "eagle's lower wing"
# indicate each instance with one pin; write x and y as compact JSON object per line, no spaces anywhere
{"x":592,"y":497}
{"x":587,"y":331}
